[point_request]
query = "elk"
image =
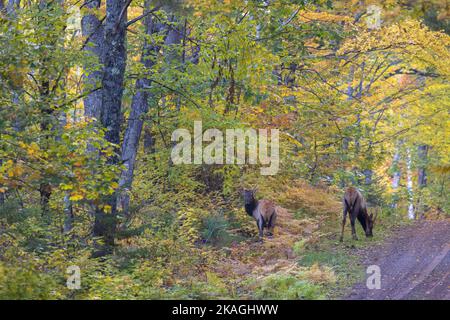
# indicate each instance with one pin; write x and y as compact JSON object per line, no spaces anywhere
{"x":355,"y":205}
{"x":263,"y":211}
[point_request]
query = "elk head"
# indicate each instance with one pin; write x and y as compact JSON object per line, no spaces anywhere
{"x":370,"y":223}
{"x":249,"y":200}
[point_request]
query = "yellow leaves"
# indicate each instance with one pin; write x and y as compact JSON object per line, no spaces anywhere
{"x":114,"y":185}
{"x":15,"y":171}
{"x":107,"y":208}
{"x":312,"y":16}
{"x":442,"y":170}
{"x":32,"y":149}
{"x":3,"y":189}
{"x":65,"y":186}
{"x":409,"y":37}
{"x":191,"y":220}
{"x":76,"y":196}
{"x":292,"y":139}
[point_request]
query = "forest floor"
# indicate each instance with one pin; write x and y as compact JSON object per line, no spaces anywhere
{"x":414,"y":263}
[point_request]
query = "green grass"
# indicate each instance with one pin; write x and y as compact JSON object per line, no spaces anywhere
{"x":287,"y":287}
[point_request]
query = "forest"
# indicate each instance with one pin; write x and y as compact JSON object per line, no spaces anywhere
{"x":99,"y":199}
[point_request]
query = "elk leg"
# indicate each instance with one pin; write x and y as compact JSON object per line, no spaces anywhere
{"x":260,"y":224}
{"x":344,"y":218}
{"x":352,"y":221}
{"x":271,"y":224}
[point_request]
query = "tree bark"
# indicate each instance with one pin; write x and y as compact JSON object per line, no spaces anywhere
{"x":422,"y":174}
{"x":12,"y":7}
{"x":345,"y":139}
{"x":92,"y":30}
{"x":139,"y":107}
{"x":114,"y":61}
{"x":2,"y":194}
{"x":68,"y":214}
{"x":149,"y":140}
{"x":409,"y":185}
{"x":173,"y":38}
{"x":422,"y":177}
{"x":396,"y":175}
{"x":10,"y":10}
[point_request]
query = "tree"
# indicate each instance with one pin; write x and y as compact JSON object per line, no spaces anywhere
{"x":114,"y":55}
{"x":153,"y":27}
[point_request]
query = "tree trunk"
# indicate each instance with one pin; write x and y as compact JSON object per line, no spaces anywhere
{"x":114,"y":61}
{"x":47,"y":111}
{"x":2,"y":192}
{"x":92,"y":30}
{"x":68,"y":214}
{"x":409,"y":185}
{"x":174,"y":37}
{"x":395,"y":164}
{"x":396,"y":175}
{"x":139,"y":107}
{"x":10,"y":10}
{"x":422,"y":175}
{"x":345,"y":139}
{"x":12,"y":6}
{"x":149,"y":140}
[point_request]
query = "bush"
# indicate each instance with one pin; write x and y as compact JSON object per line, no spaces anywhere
{"x":215,"y":229}
{"x":287,"y":287}
{"x":27,"y":283}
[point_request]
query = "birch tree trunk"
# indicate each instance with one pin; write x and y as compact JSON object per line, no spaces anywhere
{"x":395,"y":164}
{"x":409,"y":185}
{"x":396,"y":175}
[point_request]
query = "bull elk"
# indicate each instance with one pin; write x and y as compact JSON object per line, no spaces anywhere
{"x":355,"y":205}
{"x":263,"y":211}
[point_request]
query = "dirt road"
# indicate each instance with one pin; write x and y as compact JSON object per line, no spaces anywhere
{"x":414,"y":264}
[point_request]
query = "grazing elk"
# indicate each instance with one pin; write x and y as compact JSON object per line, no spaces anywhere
{"x":263,"y":211}
{"x":355,"y":206}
